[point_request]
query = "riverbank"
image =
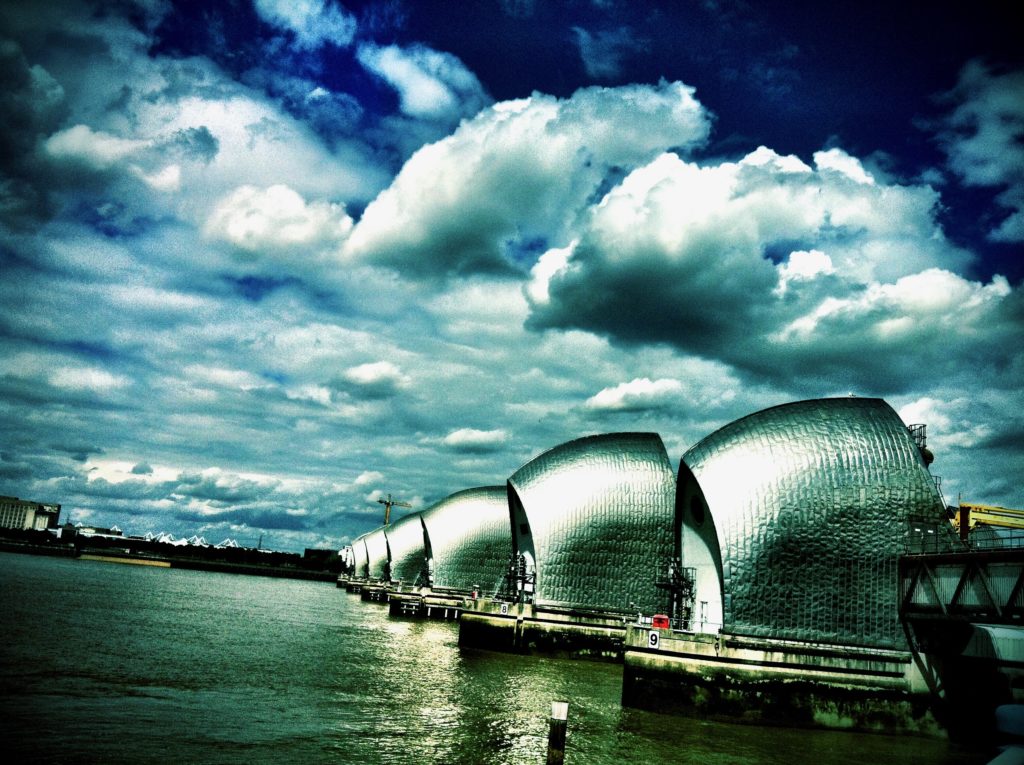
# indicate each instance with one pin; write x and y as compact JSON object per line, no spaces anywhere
{"x":127,"y":556}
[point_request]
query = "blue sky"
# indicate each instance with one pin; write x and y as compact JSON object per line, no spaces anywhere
{"x":264,"y":262}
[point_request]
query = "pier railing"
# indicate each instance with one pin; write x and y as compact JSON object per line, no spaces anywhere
{"x":931,"y":541}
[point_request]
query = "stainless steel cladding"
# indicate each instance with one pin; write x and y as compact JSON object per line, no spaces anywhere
{"x":361,"y":570}
{"x":807,"y":507}
{"x":346,"y":556}
{"x":377,"y":554}
{"x":468,"y":539}
{"x":593,"y":522}
{"x":405,"y":543}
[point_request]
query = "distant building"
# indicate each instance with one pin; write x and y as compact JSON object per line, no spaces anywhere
{"x":348,"y":559}
{"x":69,"y":531}
{"x":24,"y":514}
{"x":324,"y":557}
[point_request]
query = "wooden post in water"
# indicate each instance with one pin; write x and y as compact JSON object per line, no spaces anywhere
{"x":556,"y":733}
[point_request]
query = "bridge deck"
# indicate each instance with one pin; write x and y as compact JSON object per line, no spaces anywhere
{"x":976,"y":586}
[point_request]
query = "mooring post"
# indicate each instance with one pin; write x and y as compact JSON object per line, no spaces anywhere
{"x":556,"y":733}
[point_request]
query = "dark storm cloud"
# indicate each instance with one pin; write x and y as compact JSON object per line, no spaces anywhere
{"x":194,"y":143}
{"x":983,"y":136}
{"x":216,"y":489}
{"x":261,"y":518}
{"x":1009,"y":437}
{"x":101,"y":489}
{"x":77,"y":452}
{"x":12,"y":470}
{"x":519,"y":9}
{"x":281,"y":521}
{"x":603,"y":51}
{"x":679,"y":254}
{"x":371,"y":381}
{"x":31,"y":105}
{"x":333,"y":115}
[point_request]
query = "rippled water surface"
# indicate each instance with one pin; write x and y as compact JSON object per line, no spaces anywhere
{"x":103,"y":662}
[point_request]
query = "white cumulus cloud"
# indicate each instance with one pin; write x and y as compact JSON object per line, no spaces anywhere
{"x":473,"y":440}
{"x":96,"y":148}
{"x":803,"y":265}
{"x":519,"y":172}
{"x":375,"y":373}
{"x":277,"y":218}
{"x":841,"y":162}
{"x":87,"y":379}
{"x":368,"y":477}
{"x":430,"y":84}
{"x":314,"y":22}
{"x":638,"y":395}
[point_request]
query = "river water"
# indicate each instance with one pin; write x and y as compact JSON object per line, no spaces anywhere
{"x":114,"y":663}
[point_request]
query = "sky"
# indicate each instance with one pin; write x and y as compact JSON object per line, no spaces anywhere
{"x":265,"y":262}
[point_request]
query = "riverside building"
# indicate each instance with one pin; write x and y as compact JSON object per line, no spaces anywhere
{"x":28,"y":515}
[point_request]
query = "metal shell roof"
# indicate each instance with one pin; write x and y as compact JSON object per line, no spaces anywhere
{"x":405,"y":544}
{"x":377,"y":554}
{"x":361,"y":558}
{"x":810,"y":503}
{"x":469,"y":539}
{"x":597,"y":516}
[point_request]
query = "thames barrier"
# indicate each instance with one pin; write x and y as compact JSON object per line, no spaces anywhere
{"x":799,"y":567}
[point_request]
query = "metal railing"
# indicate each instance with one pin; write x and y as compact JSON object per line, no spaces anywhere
{"x":927,"y":541}
{"x":1004,"y":540}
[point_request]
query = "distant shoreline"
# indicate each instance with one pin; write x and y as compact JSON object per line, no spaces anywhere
{"x":115,"y":556}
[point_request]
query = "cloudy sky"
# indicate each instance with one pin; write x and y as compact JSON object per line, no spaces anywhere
{"x":265,"y":261}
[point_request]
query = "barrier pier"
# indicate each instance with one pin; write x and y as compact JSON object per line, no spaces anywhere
{"x":525,"y":628}
{"x":776,"y":682}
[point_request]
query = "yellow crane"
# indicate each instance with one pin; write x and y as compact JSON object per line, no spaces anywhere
{"x":388,"y":504}
{"x":970,"y":514}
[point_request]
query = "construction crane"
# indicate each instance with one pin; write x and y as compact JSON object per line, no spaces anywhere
{"x":388,"y":504}
{"x":970,"y":514}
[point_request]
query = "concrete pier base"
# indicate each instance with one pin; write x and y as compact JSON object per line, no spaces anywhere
{"x":426,"y":605}
{"x":377,"y":593}
{"x":405,"y":604}
{"x":776,"y":682}
{"x":522,"y":628}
